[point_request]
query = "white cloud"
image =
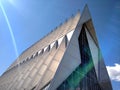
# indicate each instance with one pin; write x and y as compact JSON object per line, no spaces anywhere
{"x":114,"y":72}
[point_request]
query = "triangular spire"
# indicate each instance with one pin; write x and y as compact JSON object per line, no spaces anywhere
{"x":87,"y":20}
{"x":85,"y":15}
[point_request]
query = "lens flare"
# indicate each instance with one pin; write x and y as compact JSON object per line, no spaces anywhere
{"x":9,"y":27}
{"x":12,"y":2}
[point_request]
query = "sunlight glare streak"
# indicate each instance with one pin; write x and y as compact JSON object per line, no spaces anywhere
{"x":12,"y":2}
{"x":10,"y":29}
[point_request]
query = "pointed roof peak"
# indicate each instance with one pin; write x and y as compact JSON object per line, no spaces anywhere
{"x":85,"y":15}
{"x":86,"y":9}
{"x":86,"y":6}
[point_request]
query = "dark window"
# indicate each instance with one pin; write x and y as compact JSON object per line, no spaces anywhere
{"x":36,"y":54}
{"x":48,"y":49}
{"x":56,"y":43}
{"x":42,"y":51}
{"x":66,"y":41}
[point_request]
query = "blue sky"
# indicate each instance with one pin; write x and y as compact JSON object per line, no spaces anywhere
{"x":30,"y":20}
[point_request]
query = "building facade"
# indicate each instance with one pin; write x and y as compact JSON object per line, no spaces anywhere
{"x":68,"y":58}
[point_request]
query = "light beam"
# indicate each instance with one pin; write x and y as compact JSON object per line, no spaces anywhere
{"x":9,"y":27}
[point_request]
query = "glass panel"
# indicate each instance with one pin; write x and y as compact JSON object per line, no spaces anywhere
{"x":94,"y":50}
{"x":84,"y":76}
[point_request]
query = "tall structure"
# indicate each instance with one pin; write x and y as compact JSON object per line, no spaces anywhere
{"x":68,"y":58}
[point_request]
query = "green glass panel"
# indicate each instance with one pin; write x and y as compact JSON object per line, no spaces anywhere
{"x":84,"y":76}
